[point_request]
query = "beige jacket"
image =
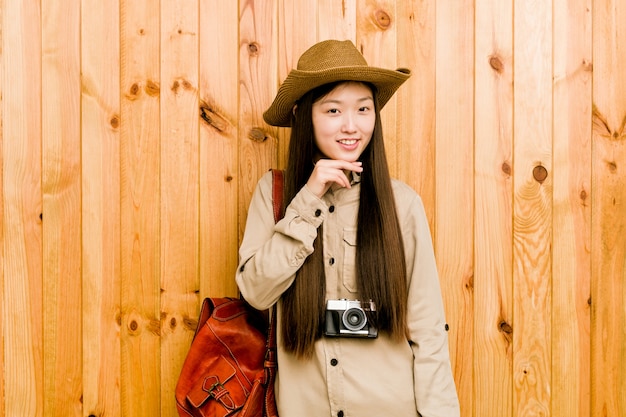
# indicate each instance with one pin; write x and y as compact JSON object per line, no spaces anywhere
{"x":348,"y":376}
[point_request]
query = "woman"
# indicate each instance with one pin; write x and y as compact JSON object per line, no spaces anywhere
{"x":350,"y":267}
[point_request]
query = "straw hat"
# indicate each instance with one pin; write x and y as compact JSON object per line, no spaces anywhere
{"x":327,"y":62}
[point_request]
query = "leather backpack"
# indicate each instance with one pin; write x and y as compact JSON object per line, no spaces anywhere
{"x":231,"y":365}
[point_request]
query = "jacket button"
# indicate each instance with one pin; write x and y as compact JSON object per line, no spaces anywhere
{"x":331,"y":209}
{"x":334,"y":362}
{"x":318,"y":213}
{"x":331,"y":261}
{"x":340,"y":413}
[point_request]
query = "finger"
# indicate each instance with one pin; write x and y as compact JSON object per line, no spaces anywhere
{"x":356,"y":166}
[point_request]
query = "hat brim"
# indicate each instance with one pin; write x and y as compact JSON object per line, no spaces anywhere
{"x":299,"y":83}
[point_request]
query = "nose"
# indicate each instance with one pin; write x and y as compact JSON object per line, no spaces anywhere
{"x":349,"y":124}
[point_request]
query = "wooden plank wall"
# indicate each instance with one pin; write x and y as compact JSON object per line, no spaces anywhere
{"x":132,"y":138}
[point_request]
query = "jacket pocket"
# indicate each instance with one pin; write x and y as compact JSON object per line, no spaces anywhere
{"x":349,"y":260}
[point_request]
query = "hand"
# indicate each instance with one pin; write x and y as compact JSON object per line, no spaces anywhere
{"x":331,"y":171}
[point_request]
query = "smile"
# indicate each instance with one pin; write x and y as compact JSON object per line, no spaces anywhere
{"x":348,"y":141}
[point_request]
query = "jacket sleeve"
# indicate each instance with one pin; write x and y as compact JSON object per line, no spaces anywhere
{"x":435,"y":391}
{"x":270,"y":254}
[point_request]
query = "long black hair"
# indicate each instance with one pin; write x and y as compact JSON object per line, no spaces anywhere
{"x":380,"y":262}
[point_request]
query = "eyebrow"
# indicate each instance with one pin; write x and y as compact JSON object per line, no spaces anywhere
{"x":362,"y":99}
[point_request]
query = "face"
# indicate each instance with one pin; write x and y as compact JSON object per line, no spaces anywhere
{"x":343,"y":121}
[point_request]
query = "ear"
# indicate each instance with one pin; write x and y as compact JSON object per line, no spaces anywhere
{"x":295,"y":107}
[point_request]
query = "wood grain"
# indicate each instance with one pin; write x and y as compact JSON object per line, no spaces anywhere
{"x":417,"y":101}
{"x":339,"y":20}
{"x":140,"y":208}
{"x":22,"y":253}
{"x":179,"y":187}
{"x":257,"y":78}
{"x":132,"y":138}
{"x":295,"y":35}
{"x":377,"y":41}
{"x":61,"y":190}
{"x":532,"y":208}
{"x":100,"y":168}
{"x":219,"y":136}
{"x":493,"y":240}
{"x":454,"y":222}
{"x":2,"y":325}
{"x":608,"y":213}
{"x":571,"y":271}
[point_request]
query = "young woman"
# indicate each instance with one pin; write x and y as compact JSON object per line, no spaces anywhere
{"x":350,"y":267}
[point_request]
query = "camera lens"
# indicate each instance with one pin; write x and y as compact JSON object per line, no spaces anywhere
{"x":354,"y":319}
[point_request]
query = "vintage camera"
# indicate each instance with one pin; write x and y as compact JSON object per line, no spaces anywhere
{"x":347,"y":318}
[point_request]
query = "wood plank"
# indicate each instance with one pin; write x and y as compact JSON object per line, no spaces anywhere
{"x":61,"y":189}
{"x":2,"y":324}
{"x":454,"y":182}
{"x":339,"y":20}
{"x":22,"y":310}
{"x":257,"y":81}
{"x":219,"y":179}
{"x":295,"y":36}
{"x":100,"y":124}
{"x":493,"y":240}
{"x":377,"y":41}
{"x":532,"y":209}
{"x":416,"y":100}
{"x":571,"y":262}
{"x":140,"y":208}
{"x":608,"y":229}
{"x":179,"y":187}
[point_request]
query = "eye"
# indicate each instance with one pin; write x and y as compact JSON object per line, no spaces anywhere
{"x":333,"y":111}
{"x":364,"y":109}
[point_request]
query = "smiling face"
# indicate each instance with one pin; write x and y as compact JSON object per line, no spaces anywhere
{"x":343,"y":121}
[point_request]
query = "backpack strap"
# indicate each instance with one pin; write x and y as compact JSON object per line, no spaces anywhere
{"x":278,"y":194}
{"x":271,"y":359}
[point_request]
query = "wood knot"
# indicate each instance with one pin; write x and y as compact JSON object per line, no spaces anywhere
{"x":469,"y":284}
{"x":133,"y":326}
{"x":177,"y":84}
{"x":212,"y":117}
{"x":152,"y":88}
{"x":505,"y":327}
{"x":253,"y":48}
{"x":540,"y":173}
{"x":496,"y":64}
{"x":382,"y":19}
{"x":257,"y":135}
{"x":506,"y":168}
{"x":133,"y":92}
{"x":190,"y":323}
{"x":612,"y":165}
{"x":115,"y":122}
{"x":154,"y":326}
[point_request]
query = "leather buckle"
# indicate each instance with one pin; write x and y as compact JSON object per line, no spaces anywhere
{"x":217,"y":389}
{"x":221,"y":394}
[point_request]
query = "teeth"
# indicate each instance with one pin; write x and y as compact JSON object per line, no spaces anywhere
{"x":348,"y":141}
